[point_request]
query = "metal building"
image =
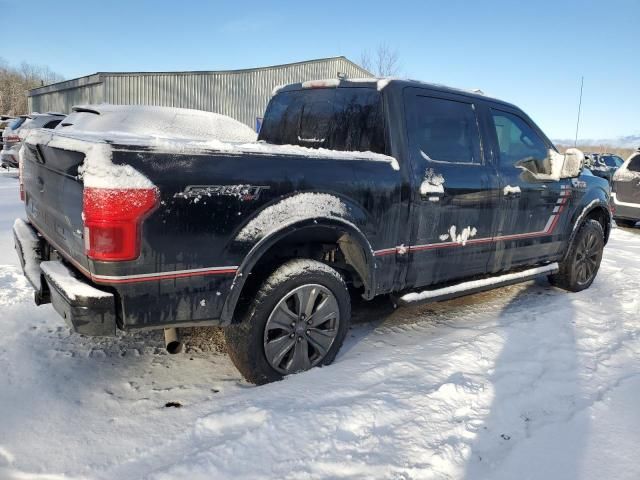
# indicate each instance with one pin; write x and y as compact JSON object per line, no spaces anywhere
{"x":241,"y":94}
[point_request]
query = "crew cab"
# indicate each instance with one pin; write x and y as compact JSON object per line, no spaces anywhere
{"x":366,"y":187}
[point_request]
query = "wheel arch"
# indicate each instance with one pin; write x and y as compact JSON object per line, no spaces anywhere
{"x":603,"y":215}
{"x":596,"y":210}
{"x":346,"y":236}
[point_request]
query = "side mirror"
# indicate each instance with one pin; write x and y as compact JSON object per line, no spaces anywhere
{"x":573,"y":163}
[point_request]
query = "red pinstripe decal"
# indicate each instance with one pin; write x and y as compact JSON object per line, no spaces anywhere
{"x":565,"y":193}
{"x":136,"y":279}
{"x":167,"y":276}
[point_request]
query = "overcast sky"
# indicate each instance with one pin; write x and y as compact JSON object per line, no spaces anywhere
{"x":530,"y":53}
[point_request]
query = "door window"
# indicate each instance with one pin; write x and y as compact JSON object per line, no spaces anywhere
{"x":443,"y":130}
{"x":520,"y":146}
{"x":52,"y":124}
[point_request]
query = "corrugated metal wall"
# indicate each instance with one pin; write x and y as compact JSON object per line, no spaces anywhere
{"x":62,"y":101}
{"x":241,"y":94}
{"x":60,"y":97}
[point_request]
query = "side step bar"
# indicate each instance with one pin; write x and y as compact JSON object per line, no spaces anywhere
{"x":475,"y":286}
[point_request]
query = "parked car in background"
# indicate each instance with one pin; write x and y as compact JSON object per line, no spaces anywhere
{"x":603,"y":165}
{"x":625,"y":194}
{"x":14,"y":134}
{"x":369,"y":187}
{"x":614,"y":162}
{"x":5,"y":120}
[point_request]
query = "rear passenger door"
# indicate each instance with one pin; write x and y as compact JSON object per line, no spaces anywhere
{"x":531,"y":203}
{"x":454,"y":188}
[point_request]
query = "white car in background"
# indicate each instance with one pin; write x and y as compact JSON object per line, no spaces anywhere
{"x":625,"y":196}
{"x":14,"y":134}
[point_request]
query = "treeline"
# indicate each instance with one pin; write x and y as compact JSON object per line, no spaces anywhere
{"x":16,"y":81}
{"x":621,"y":152}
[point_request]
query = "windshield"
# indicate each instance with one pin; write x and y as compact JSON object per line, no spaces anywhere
{"x":612,"y":161}
{"x":347,"y":119}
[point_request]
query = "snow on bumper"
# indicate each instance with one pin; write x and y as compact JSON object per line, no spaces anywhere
{"x":86,"y":310}
{"x":29,"y":249}
{"x":9,"y":159}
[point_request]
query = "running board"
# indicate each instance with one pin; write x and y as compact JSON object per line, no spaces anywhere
{"x":475,"y":286}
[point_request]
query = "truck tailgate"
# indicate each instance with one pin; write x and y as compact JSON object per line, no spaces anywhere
{"x":53,"y":196}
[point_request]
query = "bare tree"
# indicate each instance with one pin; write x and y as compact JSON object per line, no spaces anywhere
{"x":384,"y":63}
{"x":15,"y":82}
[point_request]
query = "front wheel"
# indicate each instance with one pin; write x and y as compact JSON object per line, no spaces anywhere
{"x":297,"y":320}
{"x":580,"y":266}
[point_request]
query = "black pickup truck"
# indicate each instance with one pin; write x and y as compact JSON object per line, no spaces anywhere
{"x":376,"y":187}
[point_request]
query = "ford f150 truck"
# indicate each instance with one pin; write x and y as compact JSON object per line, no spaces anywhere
{"x":367,"y":187}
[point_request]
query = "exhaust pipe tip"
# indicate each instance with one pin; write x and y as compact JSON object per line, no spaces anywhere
{"x":172,"y":341}
{"x":174,"y":347}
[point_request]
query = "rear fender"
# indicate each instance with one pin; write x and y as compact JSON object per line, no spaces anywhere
{"x":276,"y":222}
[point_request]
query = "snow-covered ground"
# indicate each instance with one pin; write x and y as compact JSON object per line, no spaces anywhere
{"x":526,"y":382}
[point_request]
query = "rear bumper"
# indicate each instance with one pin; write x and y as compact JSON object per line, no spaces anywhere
{"x":625,"y":210}
{"x":86,"y":309}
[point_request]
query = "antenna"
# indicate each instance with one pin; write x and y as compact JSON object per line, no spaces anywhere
{"x":575,"y":143}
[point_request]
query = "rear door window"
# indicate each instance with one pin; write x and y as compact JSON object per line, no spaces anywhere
{"x":443,"y":130}
{"x":634,"y":164}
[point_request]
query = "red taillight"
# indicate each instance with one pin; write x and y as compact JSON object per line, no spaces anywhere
{"x":12,"y":138}
{"x":113,"y":219}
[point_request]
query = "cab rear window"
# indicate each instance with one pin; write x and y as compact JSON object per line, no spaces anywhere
{"x":346,"y":119}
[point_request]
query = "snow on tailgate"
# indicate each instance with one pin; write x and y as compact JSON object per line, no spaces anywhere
{"x":97,"y":170}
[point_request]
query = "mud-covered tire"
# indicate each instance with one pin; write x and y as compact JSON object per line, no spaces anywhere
{"x":283,"y":291}
{"x":580,"y":267}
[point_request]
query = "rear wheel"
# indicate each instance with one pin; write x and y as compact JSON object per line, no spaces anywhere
{"x":296,"y":321}
{"x":580,"y":266}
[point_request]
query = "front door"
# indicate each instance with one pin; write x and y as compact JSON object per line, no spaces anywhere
{"x":532,"y":202}
{"x":455,"y":194}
